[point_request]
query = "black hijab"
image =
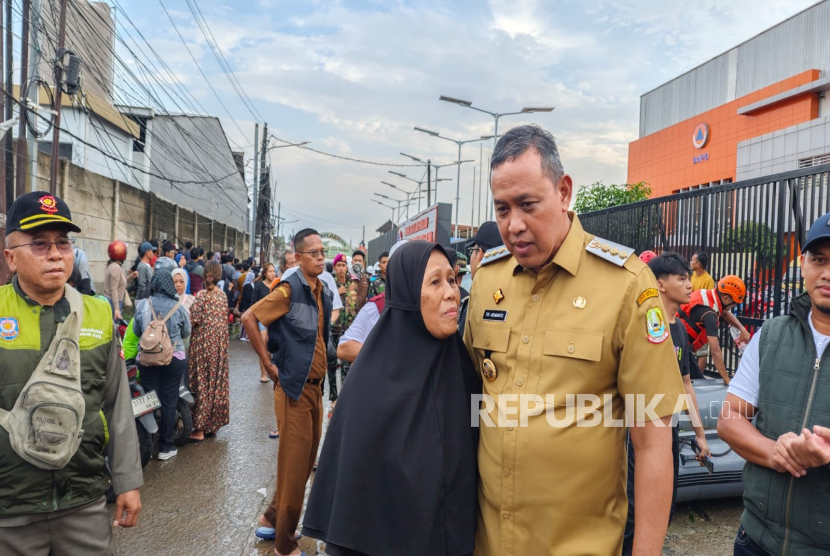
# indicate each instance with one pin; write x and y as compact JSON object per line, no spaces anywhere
{"x":161,"y":284}
{"x":398,"y":473}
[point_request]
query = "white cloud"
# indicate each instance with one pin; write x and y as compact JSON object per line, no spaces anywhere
{"x":355,"y":80}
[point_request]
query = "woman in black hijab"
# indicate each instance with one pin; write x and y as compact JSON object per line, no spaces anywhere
{"x":398,"y":473}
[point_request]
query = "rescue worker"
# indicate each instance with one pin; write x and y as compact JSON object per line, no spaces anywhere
{"x":556,"y":311}
{"x":61,"y":510}
{"x":782,"y":382}
{"x":702,"y":314}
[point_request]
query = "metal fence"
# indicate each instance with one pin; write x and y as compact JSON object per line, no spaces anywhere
{"x":753,"y":228}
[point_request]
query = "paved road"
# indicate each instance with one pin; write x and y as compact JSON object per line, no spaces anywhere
{"x":207,"y":499}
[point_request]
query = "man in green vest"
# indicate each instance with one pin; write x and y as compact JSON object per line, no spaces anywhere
{"x":61,"y":510}
{"x":783,"y":381}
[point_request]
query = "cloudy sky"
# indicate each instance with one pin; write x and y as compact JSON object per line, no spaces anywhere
{"x":354,"y":77}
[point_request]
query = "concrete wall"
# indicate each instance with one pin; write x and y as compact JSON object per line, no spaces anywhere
{"x":107,"y":209}
{"x":781,"y":150}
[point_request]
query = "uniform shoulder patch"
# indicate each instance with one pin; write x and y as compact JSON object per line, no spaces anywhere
{"x":610,"y":251}
{"x":494,"y":254}
{"x":283,"y":289}
{"x":647,"y":294}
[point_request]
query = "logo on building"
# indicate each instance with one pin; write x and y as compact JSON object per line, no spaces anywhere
{"x":700,"y":136}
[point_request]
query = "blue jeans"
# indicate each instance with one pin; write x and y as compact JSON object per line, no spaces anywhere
{"x":165,"y":380}
{"x":744,"y":546}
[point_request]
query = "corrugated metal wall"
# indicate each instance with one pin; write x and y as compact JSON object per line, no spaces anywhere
{"x":796,"y":45}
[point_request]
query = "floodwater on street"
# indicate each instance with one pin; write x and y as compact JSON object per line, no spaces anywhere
{"x":207,"y":499}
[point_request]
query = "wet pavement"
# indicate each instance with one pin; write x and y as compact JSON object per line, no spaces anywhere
{"x":207,"y":499}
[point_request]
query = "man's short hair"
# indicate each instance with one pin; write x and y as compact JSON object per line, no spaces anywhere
{"x":246,"y":266}
{"x":188,"y":245}
{"x":194,"y":253}
{"x":210,"y":254}
{"x":201,"y":251}
{"x":300,"y":237}
{"x":236,"y":261}
{"x":518,"y":140}
{"x":702,"y":258}
{"x":223,"y":259}
{"x":360,"y":254}
{"x":669,"y":264}
{"x":384,"y":254}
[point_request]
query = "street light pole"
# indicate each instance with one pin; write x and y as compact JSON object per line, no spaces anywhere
{"x":458,"y":176}
{"x":496,"y":116}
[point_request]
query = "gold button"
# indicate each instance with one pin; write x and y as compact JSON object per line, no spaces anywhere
{"x":525,"y":339}
{"x":506,"y":472}
{"x":506,"y":515}
{"x":510,"y":428}
{"x":535,"y":297}
{"x":571,"y":348}
{"x":519,"y":382}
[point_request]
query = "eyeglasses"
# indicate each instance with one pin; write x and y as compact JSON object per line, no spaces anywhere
{"x":41,"y":247}
{"x":316,"y":254}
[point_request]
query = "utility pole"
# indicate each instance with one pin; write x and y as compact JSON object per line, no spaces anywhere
{"x":252,"y":226}
{"x":53,"y":178}
{"x":261,"y":189}
{"x":34,"y":70}
{"x":279,"y":211}
{"x":473,"y":205}
{"x":363,"y":241}
{"x":22,"y":153}
{"x":3,"y":271}
{"x":7,"y":143}
{"x":429,"y":190}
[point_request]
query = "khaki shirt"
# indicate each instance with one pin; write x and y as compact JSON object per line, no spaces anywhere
{"x":580,"y":326}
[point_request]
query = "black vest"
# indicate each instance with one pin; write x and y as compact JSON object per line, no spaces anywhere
{"x":292,"y":338}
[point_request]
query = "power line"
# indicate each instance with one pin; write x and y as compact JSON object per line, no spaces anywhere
{"x":220,"y":57}
{"x":344,"y":157}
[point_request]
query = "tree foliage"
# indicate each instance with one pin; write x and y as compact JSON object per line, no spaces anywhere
{"x":600,"y":196}
{"x":757,"y":238}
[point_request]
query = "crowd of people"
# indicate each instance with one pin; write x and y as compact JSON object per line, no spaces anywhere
{"x":457,"y":427}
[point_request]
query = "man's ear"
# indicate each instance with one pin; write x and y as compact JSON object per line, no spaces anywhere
{"x":661,"y":287}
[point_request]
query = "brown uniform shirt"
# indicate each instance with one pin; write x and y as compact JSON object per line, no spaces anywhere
{"x":277,"y":304}
{"x":590,"y":322}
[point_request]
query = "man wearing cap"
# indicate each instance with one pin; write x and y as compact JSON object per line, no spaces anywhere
{"x":61,"y":511}
{"x":487,"y":237}
{"x":146,"y":253}
{"x":782,"y":381}
{"x":167,"y":261}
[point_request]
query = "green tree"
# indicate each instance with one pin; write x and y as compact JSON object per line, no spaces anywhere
{"x":600,"y":196}
{"x":757,"y":238}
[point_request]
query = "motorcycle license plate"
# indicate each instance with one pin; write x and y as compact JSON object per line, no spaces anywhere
{"x":146,"y":403}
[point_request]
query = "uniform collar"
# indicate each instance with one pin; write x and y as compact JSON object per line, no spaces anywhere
{"x":62,"y":308}
{"x":569,"y":253}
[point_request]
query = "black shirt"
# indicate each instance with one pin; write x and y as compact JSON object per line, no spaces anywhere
{"x":686,"y":359}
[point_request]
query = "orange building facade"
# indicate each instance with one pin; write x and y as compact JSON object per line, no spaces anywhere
{"x":670,"y":160}
{"x":759,"y":109}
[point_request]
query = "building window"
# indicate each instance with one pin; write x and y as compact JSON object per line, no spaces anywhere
{"x":814,"y":161}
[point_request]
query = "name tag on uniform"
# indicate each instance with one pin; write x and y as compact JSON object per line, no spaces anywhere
{"x":496,"y":315}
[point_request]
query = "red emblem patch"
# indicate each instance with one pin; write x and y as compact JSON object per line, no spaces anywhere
{"x":48,"y":204}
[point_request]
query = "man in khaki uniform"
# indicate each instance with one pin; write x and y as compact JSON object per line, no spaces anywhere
{"x":557,"y":312}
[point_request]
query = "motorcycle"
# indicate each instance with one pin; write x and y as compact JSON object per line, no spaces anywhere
{"x":144,"y":404}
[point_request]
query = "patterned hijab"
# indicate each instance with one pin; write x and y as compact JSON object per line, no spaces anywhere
{"x":162,"y":285}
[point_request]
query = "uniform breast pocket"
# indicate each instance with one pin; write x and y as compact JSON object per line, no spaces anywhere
{"x":569,"y":362}
{"x":492,"y":340}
